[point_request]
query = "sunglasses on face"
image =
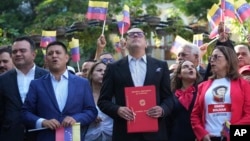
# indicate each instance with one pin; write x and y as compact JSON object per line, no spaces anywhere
{"x":107,"y":60}
{"x":214,"y":57}
{"x":135,"y":34}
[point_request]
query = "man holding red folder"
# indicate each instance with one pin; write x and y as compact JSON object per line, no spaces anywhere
{"x":136,"y":70}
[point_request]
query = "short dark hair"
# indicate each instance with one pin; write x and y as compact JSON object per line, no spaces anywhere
{"x":6,"y":49}
{"x":28,"y":39}
{"x":57,"y":43}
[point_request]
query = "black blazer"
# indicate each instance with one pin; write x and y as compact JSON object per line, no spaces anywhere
{"x":10,"y":106}
{"x":116,"y":78}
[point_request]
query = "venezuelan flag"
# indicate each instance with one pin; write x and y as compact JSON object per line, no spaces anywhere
{"x":47,"y":37}
{"x":198,"y":39}
{"x":226,"y":130}
{"x":97,"y":10}
{"x":126,"y":18}
{"x":229,"y":9}
{"x":178,"y":42}
{"x":123,"y":21}
{"x":74,"y":49}
{"x":243,"y":9}
{"x":69,"y":133}
{"x":214,"y":15}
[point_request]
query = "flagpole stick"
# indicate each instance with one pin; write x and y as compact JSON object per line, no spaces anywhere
{"x":122,"y":30}
{"x":209,"y":43}
{"x":103,"y":27}
{"x":78,"y":66}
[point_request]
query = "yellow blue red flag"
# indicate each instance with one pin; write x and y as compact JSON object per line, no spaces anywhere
{"x":75,"y":50}
{"x":71,"y":133}
{"x":47,"y":37}
{"x":243,"y":10}
{"x":97,"y":10}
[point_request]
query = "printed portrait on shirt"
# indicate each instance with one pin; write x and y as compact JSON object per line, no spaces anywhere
{"x":219,"y":93}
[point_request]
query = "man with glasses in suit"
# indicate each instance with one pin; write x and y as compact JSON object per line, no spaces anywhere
{"x":134,"y":70}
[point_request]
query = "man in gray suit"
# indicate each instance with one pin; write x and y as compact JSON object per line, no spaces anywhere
{"x":137,"y":69}
{"x":14,"y":86}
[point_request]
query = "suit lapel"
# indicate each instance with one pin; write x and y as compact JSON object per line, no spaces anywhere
{"x":151,"y":69}
{"x":50,"y":91}
{"x":38,"y":72}
{"x":71,"y":91}
{"x":123,"y":69}
{"x":16,"y":90}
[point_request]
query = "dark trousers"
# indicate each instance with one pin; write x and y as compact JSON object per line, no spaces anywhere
{"x":218,"y":139}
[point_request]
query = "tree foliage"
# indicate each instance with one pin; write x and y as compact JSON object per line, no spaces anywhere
{"x":30,"y":17}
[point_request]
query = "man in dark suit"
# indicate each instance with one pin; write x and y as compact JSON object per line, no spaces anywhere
{"x":58,"y":98}
{"x":14,"y":86}
{"x":136,"y":69}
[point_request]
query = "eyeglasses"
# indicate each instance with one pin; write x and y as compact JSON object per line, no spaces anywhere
{"x":182,"y":54}
{"x":107,"y":60}
{"x":135,"y":34}
{"x":214,"y":57}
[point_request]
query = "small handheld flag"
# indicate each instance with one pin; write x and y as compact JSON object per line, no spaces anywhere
{"x":214,"y":15}
{"x":74,"y":49}
{"x":243,"y":9}
{"x":178,"y":42}
{"x":198,"y":39}
{"x":226,"y":130}
{"x":71,"y":133}
{"x":123,"y":21}
{"x":47,"y":37}
{"x":97,"y":10}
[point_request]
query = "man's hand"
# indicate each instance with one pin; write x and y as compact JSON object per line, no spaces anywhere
{"x":101,"y":42}
{"x":223,"y":33}
{"x":51,"y":124}
{"x":203,"y":49}
{"x":126,"y":113}
{"x":123,"y":47}
{"x":155,"y":112}
{"x":68,"y":121}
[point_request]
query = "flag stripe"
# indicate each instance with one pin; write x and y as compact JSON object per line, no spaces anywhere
{"x":126,"y":13}
{"x":76,"y":132}
{"x":48,"y":33}
{"x":98,"y":4}
{"x":60,"y":134}
{"x":96,"y":16}
{"x":75,"y":50}
{"x":68,"y":134}
{"x":75,"y":57}
{"x":97,"y":10}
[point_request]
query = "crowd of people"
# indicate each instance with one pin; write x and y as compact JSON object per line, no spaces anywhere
{"x":192,"y":101}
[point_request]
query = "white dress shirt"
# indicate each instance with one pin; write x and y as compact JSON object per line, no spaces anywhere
{"x":61,"y":92}
{"x":138,"y":69}
{"x":23,"y":81}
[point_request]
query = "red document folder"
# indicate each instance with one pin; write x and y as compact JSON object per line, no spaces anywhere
{"x":140,"y":99}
